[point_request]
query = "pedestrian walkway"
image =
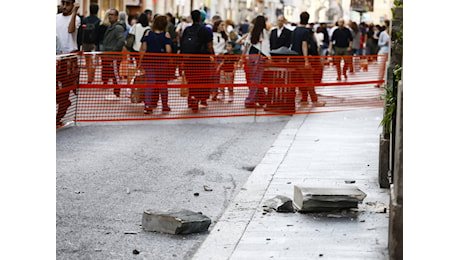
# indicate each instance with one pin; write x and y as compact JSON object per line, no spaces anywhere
{"x":313,"y":149}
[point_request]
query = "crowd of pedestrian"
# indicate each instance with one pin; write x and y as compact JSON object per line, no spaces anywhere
{"x":149,"y":33}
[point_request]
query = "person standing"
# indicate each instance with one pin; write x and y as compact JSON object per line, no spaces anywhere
{"x":280,"y":35}
{"x":102,"y":29}
{"x":172,"y":31}
{"x":67,"y":24}
{"x":384,"y":39}
{"x":243,"y":28}
{"x":156,"y":41}
{"x":114,"y":41}
{"x":356,"y":44}
{"x":149,"y":14}
{"x":325,"y":46}
{"x":197,"y":39}
{"x":303,"y":42}
{"x":342,"y":41}
{"x":139,"y":30}
{"x":90,"y":25}
{"x":227,"y":68}
{"x":219,"y":38}
{"x":258,"y":47}
{"x":123,"y":16}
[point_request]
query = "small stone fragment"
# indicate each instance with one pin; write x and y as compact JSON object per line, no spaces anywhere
{"x":350,"y":181}
{"x":334,"y":216}
{"x":206,"y":188}
{"x":196,"y":194}
{"x":279,"y":204}
{"x":135,"y":252}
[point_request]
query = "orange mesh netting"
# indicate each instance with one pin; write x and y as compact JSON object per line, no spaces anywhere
{"x":67,"y":77}
{"x":116,"y":86}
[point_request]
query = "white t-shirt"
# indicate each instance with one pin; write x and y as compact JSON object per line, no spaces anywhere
{"x":68,"y":40}
{"x":218,"y":43}
{"x":264,"y":43}
{"x":319,"y":38}
{"x":138,"y":31}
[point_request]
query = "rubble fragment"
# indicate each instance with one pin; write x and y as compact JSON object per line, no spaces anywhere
{"x":175,"y":221}
{"x":279,"y":204}
{"x":320,"y":199}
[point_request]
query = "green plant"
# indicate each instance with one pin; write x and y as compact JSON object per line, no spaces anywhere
{"x":390,"y":100}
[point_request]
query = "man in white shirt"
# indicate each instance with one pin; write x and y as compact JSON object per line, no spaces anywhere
{"x":67,"y":24}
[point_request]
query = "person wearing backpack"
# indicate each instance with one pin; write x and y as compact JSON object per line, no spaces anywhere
{"x":90,"y":42}
{"x":196,"y":39}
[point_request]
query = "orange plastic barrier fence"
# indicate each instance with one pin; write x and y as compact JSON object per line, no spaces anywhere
{"x":116,"y":86}
{"x":67,"y":78}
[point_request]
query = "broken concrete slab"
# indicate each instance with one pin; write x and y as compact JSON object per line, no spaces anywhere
{"x":175,"y":221}
{"x":279,"y":203}
{"x":319,"y":199}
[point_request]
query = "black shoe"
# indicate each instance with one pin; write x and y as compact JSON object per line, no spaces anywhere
{"x":166,"y":109}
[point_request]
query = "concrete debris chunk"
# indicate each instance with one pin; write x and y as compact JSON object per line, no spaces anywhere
{"x":321,"y":199}
{"x":175,"y":221}
{"x":279,"y":204}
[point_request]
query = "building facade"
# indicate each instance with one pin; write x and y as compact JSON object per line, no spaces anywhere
{"x":239,"y":10}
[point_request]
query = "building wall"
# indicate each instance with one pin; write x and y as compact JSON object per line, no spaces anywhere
{"x":238,"y":10}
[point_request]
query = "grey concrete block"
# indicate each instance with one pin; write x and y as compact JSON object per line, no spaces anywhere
{"x":279,"y":204}
{"x":175,"y":221}
{"x":319,"y":199}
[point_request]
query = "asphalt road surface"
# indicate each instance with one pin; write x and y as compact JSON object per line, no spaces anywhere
{"x":108,"y":174}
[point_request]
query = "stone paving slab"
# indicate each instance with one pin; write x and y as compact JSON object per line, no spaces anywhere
{"x":320,"y":149}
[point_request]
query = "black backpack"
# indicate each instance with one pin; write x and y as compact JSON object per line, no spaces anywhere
{"x":89,"y":33}
{"x":190,"y":42}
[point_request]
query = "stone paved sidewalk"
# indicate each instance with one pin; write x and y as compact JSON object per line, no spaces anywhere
{"x":324,"y":149}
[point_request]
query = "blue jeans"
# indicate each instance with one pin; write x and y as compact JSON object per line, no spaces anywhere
{"x":255,"y":70}
{"x":155,"y":75}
